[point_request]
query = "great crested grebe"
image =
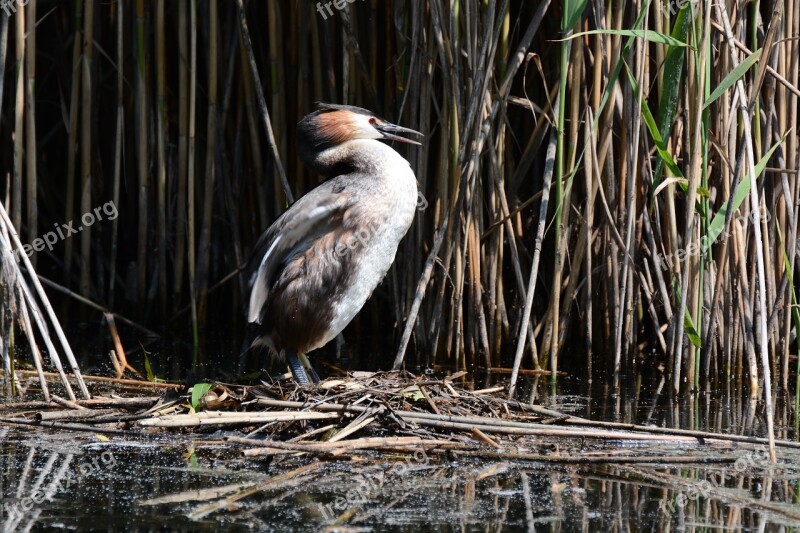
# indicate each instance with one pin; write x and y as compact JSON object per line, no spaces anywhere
{"x":318,"y":263}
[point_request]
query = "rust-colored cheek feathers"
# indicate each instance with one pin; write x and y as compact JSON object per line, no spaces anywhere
{"x":336,"y":127}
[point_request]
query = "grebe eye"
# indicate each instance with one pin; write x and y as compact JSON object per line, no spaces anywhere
{"x":372,"y":121}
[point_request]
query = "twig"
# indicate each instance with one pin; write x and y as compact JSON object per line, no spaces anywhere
{"x":68,"y":427}
{"x":598,"y":459}
{"x":357,"y":444}
{"x":67,"y":403}
{"x":125,"y":382}
{"x":123,"y":403}
{"x":483,"y":437}
{"x":223,"y":418}
{"x":73,"y":414}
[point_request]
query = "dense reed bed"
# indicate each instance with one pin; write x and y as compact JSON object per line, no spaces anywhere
{"x":627,"y":197}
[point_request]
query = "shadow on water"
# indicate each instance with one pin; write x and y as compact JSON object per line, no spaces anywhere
{"x":195,"y":483}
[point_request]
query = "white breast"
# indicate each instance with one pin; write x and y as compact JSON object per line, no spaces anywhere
{"x":376,"y":244}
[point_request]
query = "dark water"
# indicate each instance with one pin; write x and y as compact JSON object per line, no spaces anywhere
{"x":68,"y":481}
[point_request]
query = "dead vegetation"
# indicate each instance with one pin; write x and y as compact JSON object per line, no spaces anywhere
{"x":393,"y":411}
{"x":393,"y":427}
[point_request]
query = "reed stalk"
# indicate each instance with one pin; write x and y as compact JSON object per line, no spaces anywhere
{"x":32,"y":205}
{"x":86,"y":142}
{"x":142,"y":154}
{"x":72,"y":139}
{"x":118,"y":141}
{"x":190,"y":180}
{"x":19,"y":114}
{"x":161,"y":112}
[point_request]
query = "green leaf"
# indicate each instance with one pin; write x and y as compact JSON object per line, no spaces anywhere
{"x":742,"y":190}
{"x":691,"y":331}
{"x":661,"y":148}
{"x":148,"y":369}
{"x":191,"y":456}
{"x":732,"y":77}
{"x":673,"y":72}
{"x":573,"y":9}
{"x":688,"y":323}
{"x":788,"y":266}
{"x":671,"y":81}
{"x":198,"y":391}
{"x":648,"y":35}
{"x":413,"y":393}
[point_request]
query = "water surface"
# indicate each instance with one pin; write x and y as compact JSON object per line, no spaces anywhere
{"x":193,"y":482}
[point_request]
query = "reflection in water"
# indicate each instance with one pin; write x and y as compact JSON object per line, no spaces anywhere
{"x":35,"y":484}
{"x":195,"y":482}
{"x":476,"y":496}
{"x":649,"y":403}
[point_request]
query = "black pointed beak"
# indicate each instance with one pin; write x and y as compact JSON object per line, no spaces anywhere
{"x":389,"y":130}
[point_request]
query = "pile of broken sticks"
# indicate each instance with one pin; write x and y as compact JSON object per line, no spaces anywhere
{"x":392,"y":412}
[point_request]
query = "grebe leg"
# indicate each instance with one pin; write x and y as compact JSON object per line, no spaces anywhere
{"x":296,"y":366}
{"x":310,"y":369}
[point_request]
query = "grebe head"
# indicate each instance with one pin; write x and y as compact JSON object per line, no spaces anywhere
{"x":334,"y":124}
{"x":321,"y":133}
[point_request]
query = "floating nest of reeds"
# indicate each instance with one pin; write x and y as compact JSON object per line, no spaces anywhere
{"x":368,"y":413}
